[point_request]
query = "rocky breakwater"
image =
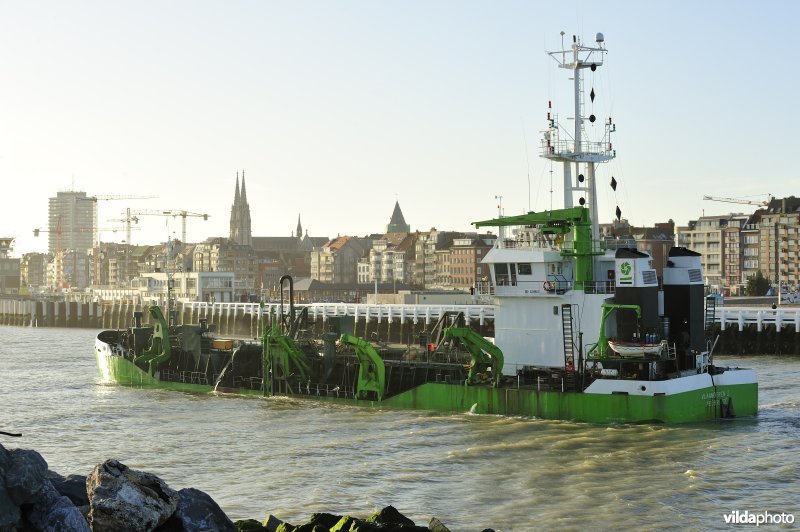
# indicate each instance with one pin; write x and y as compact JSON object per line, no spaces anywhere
{"x":114,"y":497}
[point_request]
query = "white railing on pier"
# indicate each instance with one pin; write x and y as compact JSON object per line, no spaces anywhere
{"x":760,"y":316}
{"x":413,"y":313}
{"x":725,"y":315}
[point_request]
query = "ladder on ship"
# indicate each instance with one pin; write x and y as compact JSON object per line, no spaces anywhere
{"x":569,"y":340}
{"x":569,"y":346}
{"x":711,"y":312}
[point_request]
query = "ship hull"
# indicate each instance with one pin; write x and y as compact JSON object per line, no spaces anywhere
{"x":114,"y":369}
{"x":699,"y":403}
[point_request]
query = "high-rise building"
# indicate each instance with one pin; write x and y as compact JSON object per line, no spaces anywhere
{"x":241,"y":232}
{"x":72,"y":222}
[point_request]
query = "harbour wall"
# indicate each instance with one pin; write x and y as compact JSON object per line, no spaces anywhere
{"x":400,"y":324}
{"x":757,"y":330}
{"x":741,"y":330}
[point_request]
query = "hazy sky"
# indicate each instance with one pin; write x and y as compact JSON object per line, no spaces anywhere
{"x":335,"y":109}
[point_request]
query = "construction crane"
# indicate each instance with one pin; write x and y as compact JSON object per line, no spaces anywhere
{"x":741,"y":200}
{"x":114,"y":197}
{"x":106,"y":197}
{"x":184,"y":215}
{"x":132,"y":216}
{"x":58,"y":230}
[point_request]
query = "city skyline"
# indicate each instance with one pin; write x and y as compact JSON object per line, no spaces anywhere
{"x":335,"y":111}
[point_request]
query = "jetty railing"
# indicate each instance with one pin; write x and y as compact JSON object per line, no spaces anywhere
{"x":403,"y":312}
{"x":759,"y":316}
{"x":117,"y":314}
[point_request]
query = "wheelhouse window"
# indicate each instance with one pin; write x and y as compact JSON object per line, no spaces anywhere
{"x":501,"y":274}
{"x":524,"y":268}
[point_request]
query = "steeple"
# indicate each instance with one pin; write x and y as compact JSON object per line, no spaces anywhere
{"x":299,"y":227}
{"x":236,"y":196}
{"x":397,"y":224}
{"x":241,"y":232}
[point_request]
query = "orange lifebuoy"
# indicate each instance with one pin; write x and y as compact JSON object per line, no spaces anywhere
{"x":548,"y":286}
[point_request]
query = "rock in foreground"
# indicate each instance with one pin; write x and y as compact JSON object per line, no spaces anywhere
{"x":386,"y":520}
{"x":115,"y":497}
{"x":121,"y":498}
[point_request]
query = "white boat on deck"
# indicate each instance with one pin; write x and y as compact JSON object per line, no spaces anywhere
{"x":636,"y":348}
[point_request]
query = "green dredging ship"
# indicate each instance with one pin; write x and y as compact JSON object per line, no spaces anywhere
{"x":582,"y":332}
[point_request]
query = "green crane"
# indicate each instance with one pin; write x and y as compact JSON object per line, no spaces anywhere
{"x":483,"y":353}
{"x":159,"y":350}
{"x":574,"y":222}
{"x":371,"y":369}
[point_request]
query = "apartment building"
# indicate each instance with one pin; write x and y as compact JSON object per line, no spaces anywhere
{"x":779,"y":242}
{"x":33,"y":271}
{"x":337,"y":260}
{"x":709,"y":236}
{"x":9,"y":268}
{"x":750,"y":248}
{"x":466,"y":254}
{"x":224,"y":255}
{"x":427,"y":273}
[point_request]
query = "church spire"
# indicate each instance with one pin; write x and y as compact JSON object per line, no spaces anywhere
{"x":243,"y":197}
{"x":397,"y":223}
{"x":299,"y":227}
{"x":241,"y":232}
{"x":236,"y":196}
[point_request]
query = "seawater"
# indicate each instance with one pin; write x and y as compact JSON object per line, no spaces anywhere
{"x":291,"y":458}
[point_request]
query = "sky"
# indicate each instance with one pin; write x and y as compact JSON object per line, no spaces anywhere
{"x":337,"y":109}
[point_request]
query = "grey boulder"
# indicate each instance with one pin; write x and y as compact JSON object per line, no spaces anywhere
{"x":52,"y":511}
{"x":24,"y":474}
{"x":197,"y":512}
{"x":121,"y":498}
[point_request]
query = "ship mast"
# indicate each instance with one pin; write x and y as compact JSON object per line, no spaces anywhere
{"x":576,"y":152}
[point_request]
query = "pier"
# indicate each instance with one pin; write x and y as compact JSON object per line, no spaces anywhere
{"x":391,"y":322}
{"x":741,"y":329}
{"x":758,"y":330}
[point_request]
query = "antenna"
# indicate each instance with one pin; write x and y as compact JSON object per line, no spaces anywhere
{"x":569,"y":148}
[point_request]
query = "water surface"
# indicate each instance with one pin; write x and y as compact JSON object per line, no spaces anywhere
{"x":291,"y":457}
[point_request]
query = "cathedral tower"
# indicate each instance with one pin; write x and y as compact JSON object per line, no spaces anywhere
{"x":241,"y":233}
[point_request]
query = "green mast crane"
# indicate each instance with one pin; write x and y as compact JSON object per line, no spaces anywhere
{"x":573,"y":222}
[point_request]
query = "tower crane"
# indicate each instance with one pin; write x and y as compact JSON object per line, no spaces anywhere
{"x":741,"y":200}
{"x":132,"y":216}
{"x":183,"y":215}
{"x":58,"y":231}
{"x":114,"y":197}
{"x":106,"y":197}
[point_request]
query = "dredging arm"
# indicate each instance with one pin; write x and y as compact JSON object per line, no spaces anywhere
{"x":482,"y":350}
{"x":159,"y":350}
{"x":281,"y":354}
{"x":371,"y":370}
